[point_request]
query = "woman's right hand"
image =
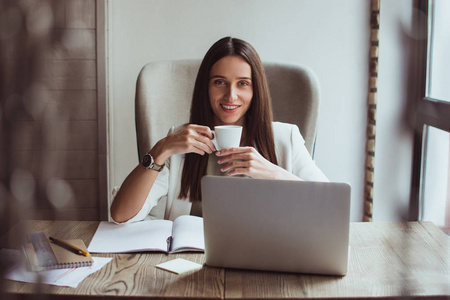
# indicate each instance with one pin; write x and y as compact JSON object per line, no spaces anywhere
{"x":189,"y":139}
{"x":136,"y":187}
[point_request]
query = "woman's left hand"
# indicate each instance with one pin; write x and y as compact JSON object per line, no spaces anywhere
{"x":247,"y":161}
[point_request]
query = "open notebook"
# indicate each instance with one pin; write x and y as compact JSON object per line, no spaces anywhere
{"x":183,"y":234}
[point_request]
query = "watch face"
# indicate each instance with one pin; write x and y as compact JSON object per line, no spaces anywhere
{"x":147,"y":160}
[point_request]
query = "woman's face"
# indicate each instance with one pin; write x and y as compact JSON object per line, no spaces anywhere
{"x":230,"y":90}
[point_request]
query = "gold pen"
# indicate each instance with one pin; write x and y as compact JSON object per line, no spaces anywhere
{"x":68,"y":246}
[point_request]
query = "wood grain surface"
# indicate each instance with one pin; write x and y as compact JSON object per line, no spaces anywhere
{"x":132,"y":274}
{"x":387,"y":260}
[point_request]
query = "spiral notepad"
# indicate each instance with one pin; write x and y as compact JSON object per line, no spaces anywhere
{"x":64,"y":258}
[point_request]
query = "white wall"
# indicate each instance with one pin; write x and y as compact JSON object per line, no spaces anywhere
{"x":393,"y":145}
{"x":331,"y":37}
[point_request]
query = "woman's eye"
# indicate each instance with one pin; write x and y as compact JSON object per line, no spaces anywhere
{"x":244,"y":83}
{"x":219,"y":82}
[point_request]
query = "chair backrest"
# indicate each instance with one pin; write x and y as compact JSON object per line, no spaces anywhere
{"x":164,"y":91}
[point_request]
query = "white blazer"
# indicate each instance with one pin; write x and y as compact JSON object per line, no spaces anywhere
{"x":291,"y":153}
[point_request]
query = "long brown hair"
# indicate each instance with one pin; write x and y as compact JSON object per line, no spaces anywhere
{"x":258,"y":119}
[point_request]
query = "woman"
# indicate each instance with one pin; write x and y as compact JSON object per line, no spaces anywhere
{"x":230,"y":89}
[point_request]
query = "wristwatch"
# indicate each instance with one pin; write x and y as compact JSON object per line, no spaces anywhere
{"x":149,"y":163}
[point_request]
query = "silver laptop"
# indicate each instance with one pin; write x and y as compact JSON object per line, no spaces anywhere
{"x":276,"y":225}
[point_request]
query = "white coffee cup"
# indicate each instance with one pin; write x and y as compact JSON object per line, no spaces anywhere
{"x":227,"y":136}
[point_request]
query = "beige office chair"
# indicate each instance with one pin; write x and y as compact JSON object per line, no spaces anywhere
{"x":164,"y":92}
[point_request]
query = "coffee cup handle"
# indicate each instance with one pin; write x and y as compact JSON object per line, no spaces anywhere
{"x":214,"y":141}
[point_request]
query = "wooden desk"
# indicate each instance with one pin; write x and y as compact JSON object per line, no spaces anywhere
{"x":386,"y":260}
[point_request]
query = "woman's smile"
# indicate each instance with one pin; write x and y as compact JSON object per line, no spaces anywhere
{"x":230,"y":108}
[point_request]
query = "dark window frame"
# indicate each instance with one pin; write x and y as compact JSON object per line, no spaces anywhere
{"x":428,"y":111}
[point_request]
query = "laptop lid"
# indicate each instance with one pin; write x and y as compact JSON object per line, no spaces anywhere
{"x":276,"y":225}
